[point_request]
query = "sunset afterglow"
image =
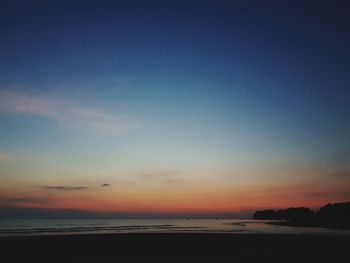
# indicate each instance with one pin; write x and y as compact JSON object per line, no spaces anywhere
{"x":171,"y":108}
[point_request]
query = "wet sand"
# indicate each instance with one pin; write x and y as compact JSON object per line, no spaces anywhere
{"x":175,"y":247}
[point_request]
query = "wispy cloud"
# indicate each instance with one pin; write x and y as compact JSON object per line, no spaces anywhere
{"x":8,"y":201}
{"x":66,"y":113}
{"x":329,"y":194}
{"x":17,"y":200}
{"x":341,"y":174}
{"x":165,"y":176}
{"x":162,"y":173}
{"x":66,"y":188}
{"x":5,"y":157}
{"x":105,"y":185}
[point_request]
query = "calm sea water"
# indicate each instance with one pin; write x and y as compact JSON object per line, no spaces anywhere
{"x":16,"y":227}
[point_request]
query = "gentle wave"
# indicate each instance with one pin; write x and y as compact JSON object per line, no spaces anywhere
{"x":104,"y":226}
{"x":92,"y":229}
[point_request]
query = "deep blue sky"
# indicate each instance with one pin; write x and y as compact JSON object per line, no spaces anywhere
{"x":219,"y":85}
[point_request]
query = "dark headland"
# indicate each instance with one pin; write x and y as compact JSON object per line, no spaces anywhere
{"x":194,"y":247}
{"x":335,"y":215}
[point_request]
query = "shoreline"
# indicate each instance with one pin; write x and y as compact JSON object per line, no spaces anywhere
{"x":173,"y":247}
{"x":311,"y":224}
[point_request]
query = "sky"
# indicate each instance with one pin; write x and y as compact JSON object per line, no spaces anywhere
{"x":174,"y":107}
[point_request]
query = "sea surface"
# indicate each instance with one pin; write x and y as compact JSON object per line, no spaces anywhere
{"x":20,"y":227}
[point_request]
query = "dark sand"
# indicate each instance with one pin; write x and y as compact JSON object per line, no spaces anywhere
{"x":175,"y":248}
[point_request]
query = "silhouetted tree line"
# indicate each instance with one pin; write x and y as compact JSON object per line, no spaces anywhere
{"x":330,"y":215}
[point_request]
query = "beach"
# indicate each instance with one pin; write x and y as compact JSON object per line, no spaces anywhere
{"x":174,"y":247}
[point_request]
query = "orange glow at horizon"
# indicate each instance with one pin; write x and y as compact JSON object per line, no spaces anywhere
{"x":181,"y":200}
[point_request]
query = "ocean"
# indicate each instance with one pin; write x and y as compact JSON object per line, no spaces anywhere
{"x":20,"y":227}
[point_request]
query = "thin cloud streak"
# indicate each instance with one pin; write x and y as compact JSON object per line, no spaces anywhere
{"x":66,"y":113}
{"x":5,"y":157}
{"x":25,"y":200}
{"x":341,"y":174}
{"x":162,"y":173}
{"x":66,"y":188}
{"x":17,"y":200}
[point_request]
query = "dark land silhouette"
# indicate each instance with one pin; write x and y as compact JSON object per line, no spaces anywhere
{"x":193,"y":247}
{"x":335,"y":215}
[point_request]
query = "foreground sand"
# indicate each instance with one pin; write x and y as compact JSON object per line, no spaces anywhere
{"x":186,"y":247}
